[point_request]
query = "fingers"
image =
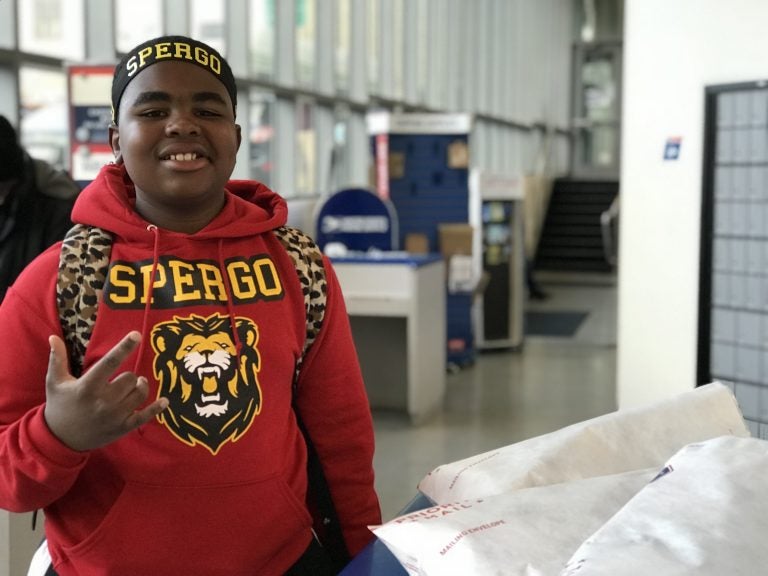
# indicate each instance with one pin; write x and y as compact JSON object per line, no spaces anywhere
{"x":134,"y":397}
{"x":131,"y":393}
{"x":141,"y":417}
{"x":58,"y":363}
{"x":112,"y":360}
{"x":99,"y":407}
{"x":128,"y":388}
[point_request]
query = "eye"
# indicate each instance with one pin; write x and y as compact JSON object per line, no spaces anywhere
{"x":152,"y":113}
{"x":208,"y":113}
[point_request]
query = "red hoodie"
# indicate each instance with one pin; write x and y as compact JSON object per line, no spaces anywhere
{"x":216,"y":484}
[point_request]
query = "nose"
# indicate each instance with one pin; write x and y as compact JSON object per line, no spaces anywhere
{"x":182,"y":124}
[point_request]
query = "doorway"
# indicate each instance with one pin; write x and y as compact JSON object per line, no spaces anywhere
{"x":596,"y":110}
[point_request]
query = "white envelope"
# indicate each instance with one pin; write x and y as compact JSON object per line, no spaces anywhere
{"x":707,"y":515}
{"x":530,"y":532}
{"x":621,"y":441}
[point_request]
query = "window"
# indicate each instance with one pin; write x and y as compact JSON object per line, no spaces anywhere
{"x":137,"y":21}
{"x":306,"y":148}
{"x":48,"y":27}
{"x":340,"y":158}
{"x":261,"y":135}
{"x":208,"y":23}
{"x":306,"y":34}
{"x":341,"y":45}
{"x":7,"y":25}
{"x":373,"y":45}
{"x":8,"y":100}
{"x":422,"y":50}
{"x":262,"y":35}
{"x":44,"y":115}
{"x":398,"y":48}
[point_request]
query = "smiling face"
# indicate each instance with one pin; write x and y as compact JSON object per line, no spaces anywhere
{"x":177,"y":136}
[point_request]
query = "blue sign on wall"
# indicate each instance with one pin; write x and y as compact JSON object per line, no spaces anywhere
{"x":672,"y":148}
{"x":359,"y":219}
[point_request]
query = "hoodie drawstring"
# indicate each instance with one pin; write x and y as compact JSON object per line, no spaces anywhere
{"x":150,"y":290}
{"x":230,"y":305}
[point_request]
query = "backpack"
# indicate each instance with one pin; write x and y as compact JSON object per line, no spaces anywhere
{"x":83,"y":264}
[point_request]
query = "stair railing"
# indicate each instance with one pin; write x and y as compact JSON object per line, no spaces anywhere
{"x":609,"y":226}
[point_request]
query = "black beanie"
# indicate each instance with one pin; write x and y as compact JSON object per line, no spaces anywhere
{"x":179,"y":48}
{"x":11,"y":154}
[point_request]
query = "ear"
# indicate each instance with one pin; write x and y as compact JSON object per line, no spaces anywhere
{"x":114,"y":141}
{"x":239,"y":135}
{"x":248,"y":332}
{"x":165,"y":337}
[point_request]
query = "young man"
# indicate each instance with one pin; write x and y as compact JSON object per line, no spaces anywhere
{"x":177,"y":451}
{"x":35,"y":202}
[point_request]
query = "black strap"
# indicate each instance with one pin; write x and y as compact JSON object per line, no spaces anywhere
{"x":314,"y":562}
{"x":320,"y":503}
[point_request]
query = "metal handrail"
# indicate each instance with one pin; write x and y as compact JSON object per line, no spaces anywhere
{"x":609,"y":226}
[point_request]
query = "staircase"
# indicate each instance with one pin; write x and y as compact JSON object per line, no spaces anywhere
{"x":572,"y":238}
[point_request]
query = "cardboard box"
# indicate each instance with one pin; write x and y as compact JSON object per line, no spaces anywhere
{"x":416,"y":243}
{"x":458,"y":154}
{"x":455,"y":238}
{"x":396,"y":165}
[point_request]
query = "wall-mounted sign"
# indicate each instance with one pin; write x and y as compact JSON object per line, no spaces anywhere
{"x":358,"y":219}
{"x":90,"y":113}
{"x":672,"y":148}
{"x":413,"y":123}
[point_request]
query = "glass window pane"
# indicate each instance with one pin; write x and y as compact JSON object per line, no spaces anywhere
{"x":137,"y":21}
{"x":52,"y":28}
{"x":7,"y":25}
{"x":597,"y":147}
{"x":262,"y":35}
{"x":373,"y":45}
{"x":422,"y":50}
{"x":208,"y":23}
{"x":598,"y":80}
{"x":398,"y":47}
{"x":44,"y":114}
{"x":342,"y":42}
{"x":261,"y":132}
{"x":306,"y":33}
{"x":306,"y":148}
{"x":8,"y":91}
{"x":340,"y":157}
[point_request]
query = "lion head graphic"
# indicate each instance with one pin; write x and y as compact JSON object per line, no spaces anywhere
{"x":213,"y":393}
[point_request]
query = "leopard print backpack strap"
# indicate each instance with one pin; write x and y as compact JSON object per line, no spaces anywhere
{"x":83,"y":264}
{"x":308,"y":260}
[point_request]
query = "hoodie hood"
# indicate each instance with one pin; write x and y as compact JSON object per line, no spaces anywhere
{"x":108,"y":202}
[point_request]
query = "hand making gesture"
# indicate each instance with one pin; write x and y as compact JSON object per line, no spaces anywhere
{"x":96,"y":409}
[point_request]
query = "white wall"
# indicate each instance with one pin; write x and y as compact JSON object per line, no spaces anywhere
{"x":672,"y":50}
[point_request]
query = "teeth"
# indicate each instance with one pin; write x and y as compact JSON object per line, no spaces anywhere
{"x":183,"y":157}
{"x":215,"y":370}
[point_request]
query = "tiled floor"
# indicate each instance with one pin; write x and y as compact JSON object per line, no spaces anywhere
{"x":508,"y":396}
